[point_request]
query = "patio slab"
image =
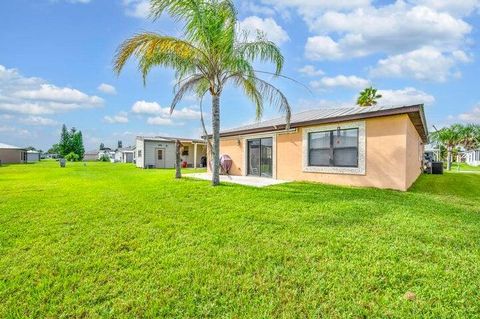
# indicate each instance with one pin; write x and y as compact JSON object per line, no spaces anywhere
{"x":242,"y":180}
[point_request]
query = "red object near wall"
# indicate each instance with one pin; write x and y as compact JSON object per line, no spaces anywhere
{"x":226,"y":164}
{"x":184,"y":164}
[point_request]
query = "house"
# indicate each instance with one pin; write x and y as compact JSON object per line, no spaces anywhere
{"x":33,"y":156}
{"x":359,"y":146}
{"x":125,"y":154}
{"x":472,"y":157}
{"x":159,"y":152}
{"x":90,"y":155}
{"x":10,"y":154}
{"x":106,"y":152}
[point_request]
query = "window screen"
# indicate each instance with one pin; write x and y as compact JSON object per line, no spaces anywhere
{"x":333,"y":148}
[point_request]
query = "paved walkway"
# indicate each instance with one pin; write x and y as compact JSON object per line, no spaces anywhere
{"x":242,"y":180}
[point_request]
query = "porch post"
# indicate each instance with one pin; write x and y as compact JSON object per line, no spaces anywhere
{"x":194,"y":155}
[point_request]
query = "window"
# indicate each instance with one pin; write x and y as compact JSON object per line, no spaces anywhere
{"x":337,"y":148}
{"x":160,"y":155}
{"x":185,"y":151}
{"x":139,"y":153}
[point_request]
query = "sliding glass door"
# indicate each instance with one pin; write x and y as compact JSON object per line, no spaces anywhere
{"x":260,"y":156}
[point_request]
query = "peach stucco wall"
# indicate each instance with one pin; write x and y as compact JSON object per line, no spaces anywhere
{"x":392,"y":158}
{"x":415,"y":150}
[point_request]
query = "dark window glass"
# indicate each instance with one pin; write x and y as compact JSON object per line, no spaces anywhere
{"x":333,"y":148}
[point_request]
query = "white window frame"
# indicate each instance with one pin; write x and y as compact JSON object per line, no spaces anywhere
{"x":359,"y":170}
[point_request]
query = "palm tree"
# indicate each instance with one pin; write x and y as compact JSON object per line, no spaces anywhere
{"x":450,"y":138}
{"x":368,"y":97}
{"x":210,"y":55}
{"x":469,"y":136}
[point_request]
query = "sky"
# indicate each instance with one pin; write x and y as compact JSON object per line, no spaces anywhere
{"x":56,"y":65}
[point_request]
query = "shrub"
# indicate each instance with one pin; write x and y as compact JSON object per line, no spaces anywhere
{"x":104,"y":158}
{"x":72,"y":157}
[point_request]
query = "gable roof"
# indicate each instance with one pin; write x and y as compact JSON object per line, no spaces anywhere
{"x":323,"y":116}
{"x":10,"y":147}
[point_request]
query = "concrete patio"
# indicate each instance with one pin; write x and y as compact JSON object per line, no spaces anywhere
{"x":242,"y":180}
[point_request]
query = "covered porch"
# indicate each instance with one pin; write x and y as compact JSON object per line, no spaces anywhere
{"x":193,"y":153}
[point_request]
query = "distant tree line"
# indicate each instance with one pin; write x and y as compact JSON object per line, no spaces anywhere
{"x":450,"y":138}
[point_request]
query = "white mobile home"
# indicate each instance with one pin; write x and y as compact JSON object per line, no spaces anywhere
{"x":125,"y":155}
{"x":159,"y":152}
{"x":473,"y":158}
{"x":33,"y":156}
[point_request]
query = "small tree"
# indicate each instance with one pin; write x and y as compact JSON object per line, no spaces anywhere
{"x":102,"y":146}
{"x":77,"y":144}
{"x":368,"y":97}
{"x":72,"y":157}
{"x":64,"y":144}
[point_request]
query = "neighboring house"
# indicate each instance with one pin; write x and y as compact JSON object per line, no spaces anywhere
{"x":108,"y":152}
{"x":125,"y":154}
{"x":472,"y":157}
{"x":10,"y":154}
{"x":159,"y":152}
{"x":360,"y":146}
{"x":33,"y":156}
{"x":50,"y":156}
{"x":90,"y":155}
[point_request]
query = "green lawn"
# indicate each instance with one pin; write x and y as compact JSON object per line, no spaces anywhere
{"x":111,"y":240}
{"x":465,"y":167}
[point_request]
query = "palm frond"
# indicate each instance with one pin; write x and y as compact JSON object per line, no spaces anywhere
{"x":264,"y":51}
{"x":187,"y":86}
{"x":154,"y":49}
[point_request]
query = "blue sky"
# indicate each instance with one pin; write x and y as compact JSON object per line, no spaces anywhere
{"x":56,"y":64}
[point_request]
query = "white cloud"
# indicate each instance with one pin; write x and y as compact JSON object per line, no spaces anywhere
{"x":31,"y":95}
{"x":144,"y":107}
{"x":257,"y":9}
{"x":137,"y":8}
{"x":406,"y":96}
{"x":15,"y":131}
{"x":423,"y":64}
{"x":471,"y":117}
{"x":350,"y":81}
{"x":186,"y":113}
{"x":6,"y":117}
{"x":391,"y":29}
{"x":273,"y":32}
{"x":107,"y":89}
{"x":311,"y":8}
{"x":158,"y":120}
{"x":321,"y":48}
{"x":454,"y":7}
{"x":38,"y":120}
{"x":310,"y":70}
{"x":121,"y":117}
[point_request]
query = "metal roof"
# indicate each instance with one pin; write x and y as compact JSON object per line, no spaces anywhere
{"x":10,"y":147}
{"x":169,"y":139}
{"x":317,"y":116}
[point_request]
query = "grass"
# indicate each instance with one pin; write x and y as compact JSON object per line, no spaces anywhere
{"x":465,"y":167}
{"x":109,"y":240}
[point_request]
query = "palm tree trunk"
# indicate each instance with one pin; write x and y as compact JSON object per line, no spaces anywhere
{"x":178,"y":160}
{"x":449,"y":159}
{"x":216,"y":140}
